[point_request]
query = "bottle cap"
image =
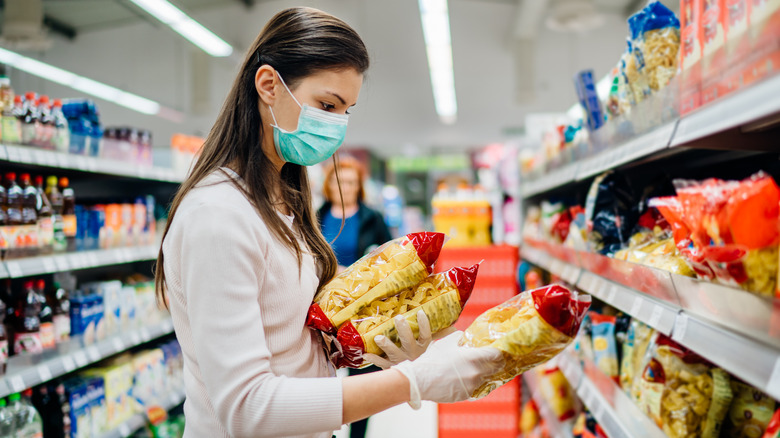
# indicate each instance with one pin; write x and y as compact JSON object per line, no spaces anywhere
{"x":64,"y":182}
{"x":57,"y":103}
{"x":30,"y":95}
{"x":15,"y":397}
{"x":52,"y":181}
{"x":38,"y":180}
{"x":27,"y":392}
{"x":44,"y":99}
{"x":40,"y":284}
{"x":11,"y":176}
{"x":17,"y":99}
{"x":28,"y":284}
{"x":25,"y":177}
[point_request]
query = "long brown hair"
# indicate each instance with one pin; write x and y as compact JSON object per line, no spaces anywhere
{"x":296,"y":42}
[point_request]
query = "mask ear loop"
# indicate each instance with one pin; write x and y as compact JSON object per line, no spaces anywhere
{"x":291,"y":95}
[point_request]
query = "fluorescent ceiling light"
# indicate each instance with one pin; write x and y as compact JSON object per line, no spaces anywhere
{"x":80,"y":83}
{"x":185,"y":26}
{"x":438,"y":46}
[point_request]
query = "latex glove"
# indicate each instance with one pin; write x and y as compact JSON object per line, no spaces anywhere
{"x":411,"y":348}
{"x":449,"y":373}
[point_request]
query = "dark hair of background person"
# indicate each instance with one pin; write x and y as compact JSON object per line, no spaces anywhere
{"x":296,"y":42}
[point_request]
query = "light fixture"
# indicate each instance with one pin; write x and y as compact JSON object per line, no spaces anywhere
{"x":81,"y":83}
{"x":185,"y":26}
{"x":438,"y":46}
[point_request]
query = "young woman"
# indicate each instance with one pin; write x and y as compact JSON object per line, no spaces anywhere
{"x":242,"y":256}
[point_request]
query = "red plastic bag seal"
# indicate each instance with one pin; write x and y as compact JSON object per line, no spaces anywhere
{"x":463,"y":279}
{"x":318,"y":320}
{"x":351,"y":346}
{"x":560,"y":308}
{"x":428,"y":246}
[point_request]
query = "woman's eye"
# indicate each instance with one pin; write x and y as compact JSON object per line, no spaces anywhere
{"x":328,"y":106}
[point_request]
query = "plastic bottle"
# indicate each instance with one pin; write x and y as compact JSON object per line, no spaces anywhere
{"x":11,"y":303}
{"x":3,"y":222}
{"x":31,"y":424}
{"x":13,"y":210}
{"x":29,"y":216}
{"x":11,"y":130}
{"x":59,"y":244}
{"x":46,"y":316}
{"x":60,"y":413}
{"x":16,"y":411}
{"x":30,"y":122}
{"x":45,"y":218}
{"x":45,"y":123}
{"x":60,"y":305}
{"x":3,"y":339}
{"x":68,"y":213}
{"x":28,"y":324}
{"x":7,"y":422}
{"x":61,"y":141}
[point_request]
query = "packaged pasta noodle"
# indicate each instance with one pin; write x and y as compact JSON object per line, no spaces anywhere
{"x":529,"y":417}
{"x":604,"y":345}
{"x":682,"y":393}
{"x":530,"y":329}
{"x":655,"y":33}
{"x":750,"y":412}
{"x":390,"y":268}
{"x":557,"y":392}
{"x":441,"y":296}
{"x":641,"y":337}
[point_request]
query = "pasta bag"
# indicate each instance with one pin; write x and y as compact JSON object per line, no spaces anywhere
{"x":441,"y":296}
{"x":529,"y":329}
{"x":390,"y":268}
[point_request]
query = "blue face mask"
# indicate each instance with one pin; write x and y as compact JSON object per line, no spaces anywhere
{"x":318,"y":135}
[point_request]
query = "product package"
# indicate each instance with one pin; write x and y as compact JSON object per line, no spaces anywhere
{"x":750,"y":412}
{"x":656,"y":44}
{"x":638,"y":339}
{"x":610,"y":213}
{"x":440,"y":296}
{"x":604,"y":346}
{"x":557,"y":392}
{"x":773,"y":429}
{"x":385,"y":271}
{"x":529,"y":417}
{"x":530,"y":329}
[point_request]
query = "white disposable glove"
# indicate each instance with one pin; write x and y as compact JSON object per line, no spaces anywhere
{"x":411,"y":348}
{"x":449,"y":373}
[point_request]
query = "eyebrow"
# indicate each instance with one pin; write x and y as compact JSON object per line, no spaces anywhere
{"x":343,"y":102}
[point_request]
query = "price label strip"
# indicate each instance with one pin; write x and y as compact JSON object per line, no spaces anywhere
{"x":48,"y":264}
{"x":44,"y":373}
{"x":80,"y":358}
{"x":135,"y":338}
{"x":655,"y":318}
{"x":93,"y":353}
{"x":680,"y":327}
{"x":14,"y":269}
{"x":612,"y":294}
{"x":118,"y":344}
{"x":17,"y":384}
{"x":68,"y":364}
{"x":636,"y":306}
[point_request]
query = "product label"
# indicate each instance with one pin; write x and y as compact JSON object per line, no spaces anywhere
{"x":29,"y":133}
{"x":3,"y":237}
{"x":12,"y":131}
{"x":3,"y":353}
{"x":45,"y":231}
{"x":61,"y":327}
{"x":28,"y":343}
{"x":13,"y":237}
{"x":29,"y":236}
{"x":47,"y":334}
{"x":69,"y":225}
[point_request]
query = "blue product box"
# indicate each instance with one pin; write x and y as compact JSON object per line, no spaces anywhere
{"x":80,"y":410}
{"x":96,"y":393}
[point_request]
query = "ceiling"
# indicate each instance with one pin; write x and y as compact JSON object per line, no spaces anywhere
{"x":499,"y":79}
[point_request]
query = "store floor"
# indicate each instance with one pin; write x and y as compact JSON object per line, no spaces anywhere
{"x":401,"y":421}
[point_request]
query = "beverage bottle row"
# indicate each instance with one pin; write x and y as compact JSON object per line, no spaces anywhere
{"x":34,"y":220}
{"x":20,"y":418}
{"x":32,"y":120}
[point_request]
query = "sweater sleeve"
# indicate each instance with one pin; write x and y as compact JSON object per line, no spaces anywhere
{"x":222,"y":262}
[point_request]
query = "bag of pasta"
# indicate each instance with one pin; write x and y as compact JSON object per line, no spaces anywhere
{"x":530,"y":329}
{"x":390,"y":268}
{"x":440,"y":296}
{"x":655,"y":32}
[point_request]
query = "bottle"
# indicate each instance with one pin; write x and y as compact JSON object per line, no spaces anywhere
{"x":45,"y":218}
{"x":59,"y":243}
{"x":31,"y":424}
{"x":30,"y":123}
{"x":3,"y":222}
{"x":29,"y":216}
{"x":61,"y":131}
{"x":3,"y":338}
{"x":68,"y":213}
{"x":60,"y":305}
{"x":16,"y":412}
{"x":11,"y":130}
{"x":45,"y":122}
{"x":46,"y":316}
{"x":10,"y":314}
{"x":60,"y":413}
{"x":13,"y":210}
{"x":7,"y":422}
{"x":28,"y":324}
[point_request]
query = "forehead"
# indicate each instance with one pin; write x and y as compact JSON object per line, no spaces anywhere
{"x":344,"y":82}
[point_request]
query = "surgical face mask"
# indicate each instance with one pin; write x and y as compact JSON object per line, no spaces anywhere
{"x":318,"y":135}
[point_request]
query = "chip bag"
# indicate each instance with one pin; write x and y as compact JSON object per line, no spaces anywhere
{"x":441,"y":296}
{"x":530,"y":329}
{"x":390,"y":268}
{"x":750,"y":412}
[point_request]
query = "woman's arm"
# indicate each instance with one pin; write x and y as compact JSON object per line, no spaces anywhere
{"x":368,"y":394}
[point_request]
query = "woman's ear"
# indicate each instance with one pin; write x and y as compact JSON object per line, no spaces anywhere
{"x":265,"y":83}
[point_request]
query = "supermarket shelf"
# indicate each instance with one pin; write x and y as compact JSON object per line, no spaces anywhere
{"x":138,"y":421}
{"x":551,"y":180}
{"x":29,"y":370}
{"x":57,"y":160}
{"x":737,"y":109}
{"x":556,"y":428}
{"x":26,"y":267}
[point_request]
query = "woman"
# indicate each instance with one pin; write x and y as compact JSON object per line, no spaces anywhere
{"x":363,"y":228}
{"x":352,"y":228}
{"x":242,"y":256}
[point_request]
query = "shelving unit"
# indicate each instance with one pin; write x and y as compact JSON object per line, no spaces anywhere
{"x":26,"y":267}
{"x":138,"y":421}
{"x":26,"y":371}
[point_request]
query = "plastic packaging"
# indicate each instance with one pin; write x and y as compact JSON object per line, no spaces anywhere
{"x":558,"y":393}
{"x":655,"y":34}
{"x":610,"y":213}
{"x":750,"y":412}
{"x":530,"y":329}
{"x":441,"y":296}
{"x":385,"y":271}
{"x":604,"y":346}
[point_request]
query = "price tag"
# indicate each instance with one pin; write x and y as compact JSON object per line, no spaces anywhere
{"x":81,"y":163}
{"x":135,"y":338}
{"x":145,"y":334}
{"x":25,"y":156}
{"x":680,"y":326}
{"x":773,"y":388}
{"x":612,"y":294}
{"x":13,"y":154}
{"x":655,"y":318}
{"x":14,"y":270}
{"x":80,"y":358}
{"x":40,"y":157}
{"x":600,"y":410}
{"x":67,"y":363}
{"x":118,"y":344}
{"x":48,"y":264}
{"x":83,"y":260}
{"x":636,"y":306}
{"x":93,"y":353}
{"x":3,"y":153}
{"x":17,"y":384}
{"x":44,"y":373}
{"x":62,"y":263}
{"x":50,"y":160}
{"x":63,"y":161}
{"x":92,"y":165}
{"x":124,"y":430}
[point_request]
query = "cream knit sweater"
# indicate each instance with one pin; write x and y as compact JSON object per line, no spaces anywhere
{"x":251,"y":367}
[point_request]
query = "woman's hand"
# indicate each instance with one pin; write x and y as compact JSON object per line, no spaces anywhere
{"x":411,"y":348}
{"x":449,"y":373}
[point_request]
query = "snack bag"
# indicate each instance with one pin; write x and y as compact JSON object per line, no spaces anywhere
{"x":610,"y":212}
{"x":529,"y":417}
{"x":604,"y":346}
{"x":682,"y":393}
{"x":559,"y":394}
{"x":655,"y":33}
{"x":441,"y":296}
{"x":750,"y":412}
{"x":390,"y":268}
{"x":530,"y":329}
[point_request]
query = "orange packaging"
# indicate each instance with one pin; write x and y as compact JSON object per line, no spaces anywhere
{"x":737,"y":19}
{"x":113,"y":224}
{"x":712,"y":33}
{"x":690,"y":55}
